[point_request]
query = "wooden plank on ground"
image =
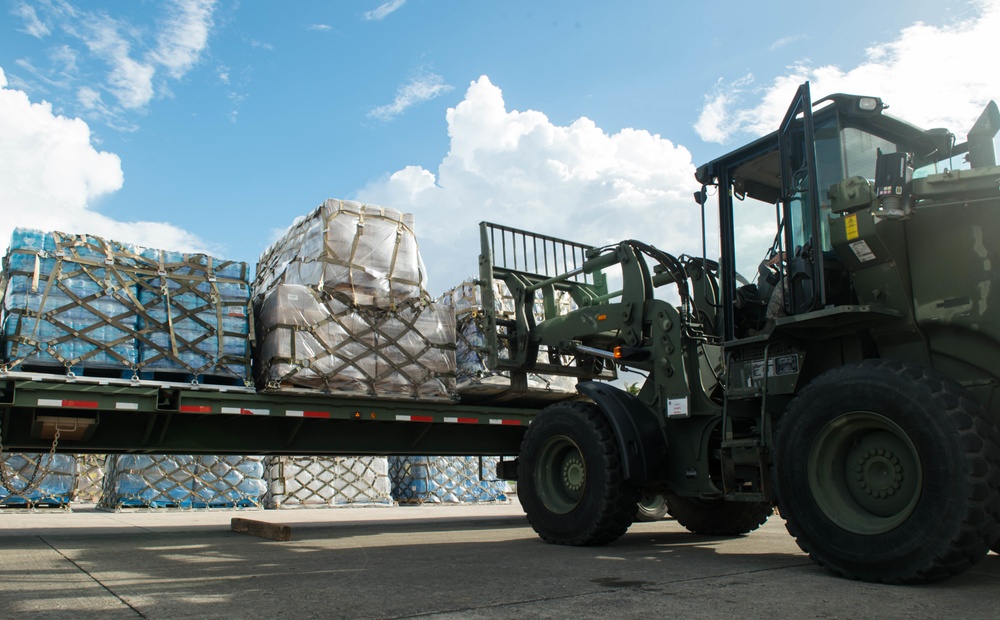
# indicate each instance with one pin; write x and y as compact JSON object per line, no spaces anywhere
{"x":263,"y":529}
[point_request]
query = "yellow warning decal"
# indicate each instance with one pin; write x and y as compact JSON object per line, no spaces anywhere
{"x":851,"y":226}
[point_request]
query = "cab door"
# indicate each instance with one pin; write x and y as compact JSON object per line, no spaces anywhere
{"x":804,"y":289}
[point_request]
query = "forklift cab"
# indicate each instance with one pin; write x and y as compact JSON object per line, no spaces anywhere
{"x":817,"y":146}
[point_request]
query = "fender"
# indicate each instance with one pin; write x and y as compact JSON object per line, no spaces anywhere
{"x":641,"y":442}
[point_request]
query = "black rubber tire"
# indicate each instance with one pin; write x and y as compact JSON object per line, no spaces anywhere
{"x":946,"y":513}
{"x":718,"y":517}
{"x":652,"y":507}
{"x":602,"y":504}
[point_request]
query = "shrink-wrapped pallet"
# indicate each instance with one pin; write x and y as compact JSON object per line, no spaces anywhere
{"x":363,"y":255}
{"x":194,"y":318}
{"x":182,"y":481}
{"x":89,"y":478}
{"x":320,"y":482}
{"x":29,"y":479}
{"x":309,"y":339}
{"x":473,"y":377}
{"x":446,"y":479}
{"x":82,"y":304}
{"x":68,"y":303}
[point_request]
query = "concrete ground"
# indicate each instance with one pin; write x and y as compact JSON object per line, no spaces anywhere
{"x":430,"y":562}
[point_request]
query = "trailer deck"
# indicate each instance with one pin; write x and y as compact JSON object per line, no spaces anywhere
{"x":101,"y":415}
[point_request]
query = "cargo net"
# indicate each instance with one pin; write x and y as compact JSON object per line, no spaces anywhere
{"x":307,"y":339}
{"x":89,"y":478}
{"x":362,"y":255}
{"x":473,"y":377}
{"x":322,"y":482}
{"x":29,"y":480}
{"x":446,"y":479}
{"x":182,"y":482}
{"x":82,"y":305}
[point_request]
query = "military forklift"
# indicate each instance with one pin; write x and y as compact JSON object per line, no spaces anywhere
{"x":853,"y":383}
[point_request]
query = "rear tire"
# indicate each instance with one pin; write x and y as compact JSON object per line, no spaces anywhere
{"x":652,"y":507}
{"x":717,"y":517}
{"x":570,"y":480}
{"x":889,"y":472}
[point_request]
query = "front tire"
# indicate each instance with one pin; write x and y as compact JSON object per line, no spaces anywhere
{"x":889,"y":472}
{"x":570,"y":479}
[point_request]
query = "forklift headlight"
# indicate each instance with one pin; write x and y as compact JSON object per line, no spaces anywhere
{"x":868,"y":104}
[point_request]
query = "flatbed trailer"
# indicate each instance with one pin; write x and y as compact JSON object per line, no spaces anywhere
{"x":81,"y":415}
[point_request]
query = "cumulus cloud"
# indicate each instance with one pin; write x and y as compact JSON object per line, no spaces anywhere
{"x":521,"y":170}
{"x":419,"y":89}
{"x":383,"y":10}
{"x":51,"y":175}
{"x":928,"y":75}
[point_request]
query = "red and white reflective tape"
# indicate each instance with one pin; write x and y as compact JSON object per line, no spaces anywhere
{"x":73,"y":404}
{"x":308,"y":414}
{"x":127,"y":405}
{"x":414,"y":418}
{"x":245,"y":411}
{"x":462,"y":420}
{"x":504,"y":422}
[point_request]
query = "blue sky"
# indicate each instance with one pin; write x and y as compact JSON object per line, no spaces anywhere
{"x":210,"y":126}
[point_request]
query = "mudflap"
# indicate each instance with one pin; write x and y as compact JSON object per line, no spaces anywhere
{"x":640,"y":437}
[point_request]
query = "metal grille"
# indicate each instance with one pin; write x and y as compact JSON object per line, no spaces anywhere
{"x":531,"y":253}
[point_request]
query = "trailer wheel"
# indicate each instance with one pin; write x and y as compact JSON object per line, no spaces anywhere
{"x":718,"y":517}
{"x":570,"y":479}
{"x":652,"y":507}
{"x":889,"y":472}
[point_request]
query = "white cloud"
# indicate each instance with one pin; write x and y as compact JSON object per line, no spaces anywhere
{"x":184,"y":36}
{"x":51,"y":175}
{"x":383,"y":10}
{"x":519,"y":169}
{"x":138,"y":68}
{"x":782,"y":42}
{"x":320,"y":27}
{"x":32,"y":25}
{"x":929,"y":76}
{"x":421,"y":88}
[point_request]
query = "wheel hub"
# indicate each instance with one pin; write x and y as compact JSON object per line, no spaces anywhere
{"x":879,"y":473}
{"x":573,"y":474}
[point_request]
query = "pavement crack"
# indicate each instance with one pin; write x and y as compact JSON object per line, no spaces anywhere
{"x":95,"y":579}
